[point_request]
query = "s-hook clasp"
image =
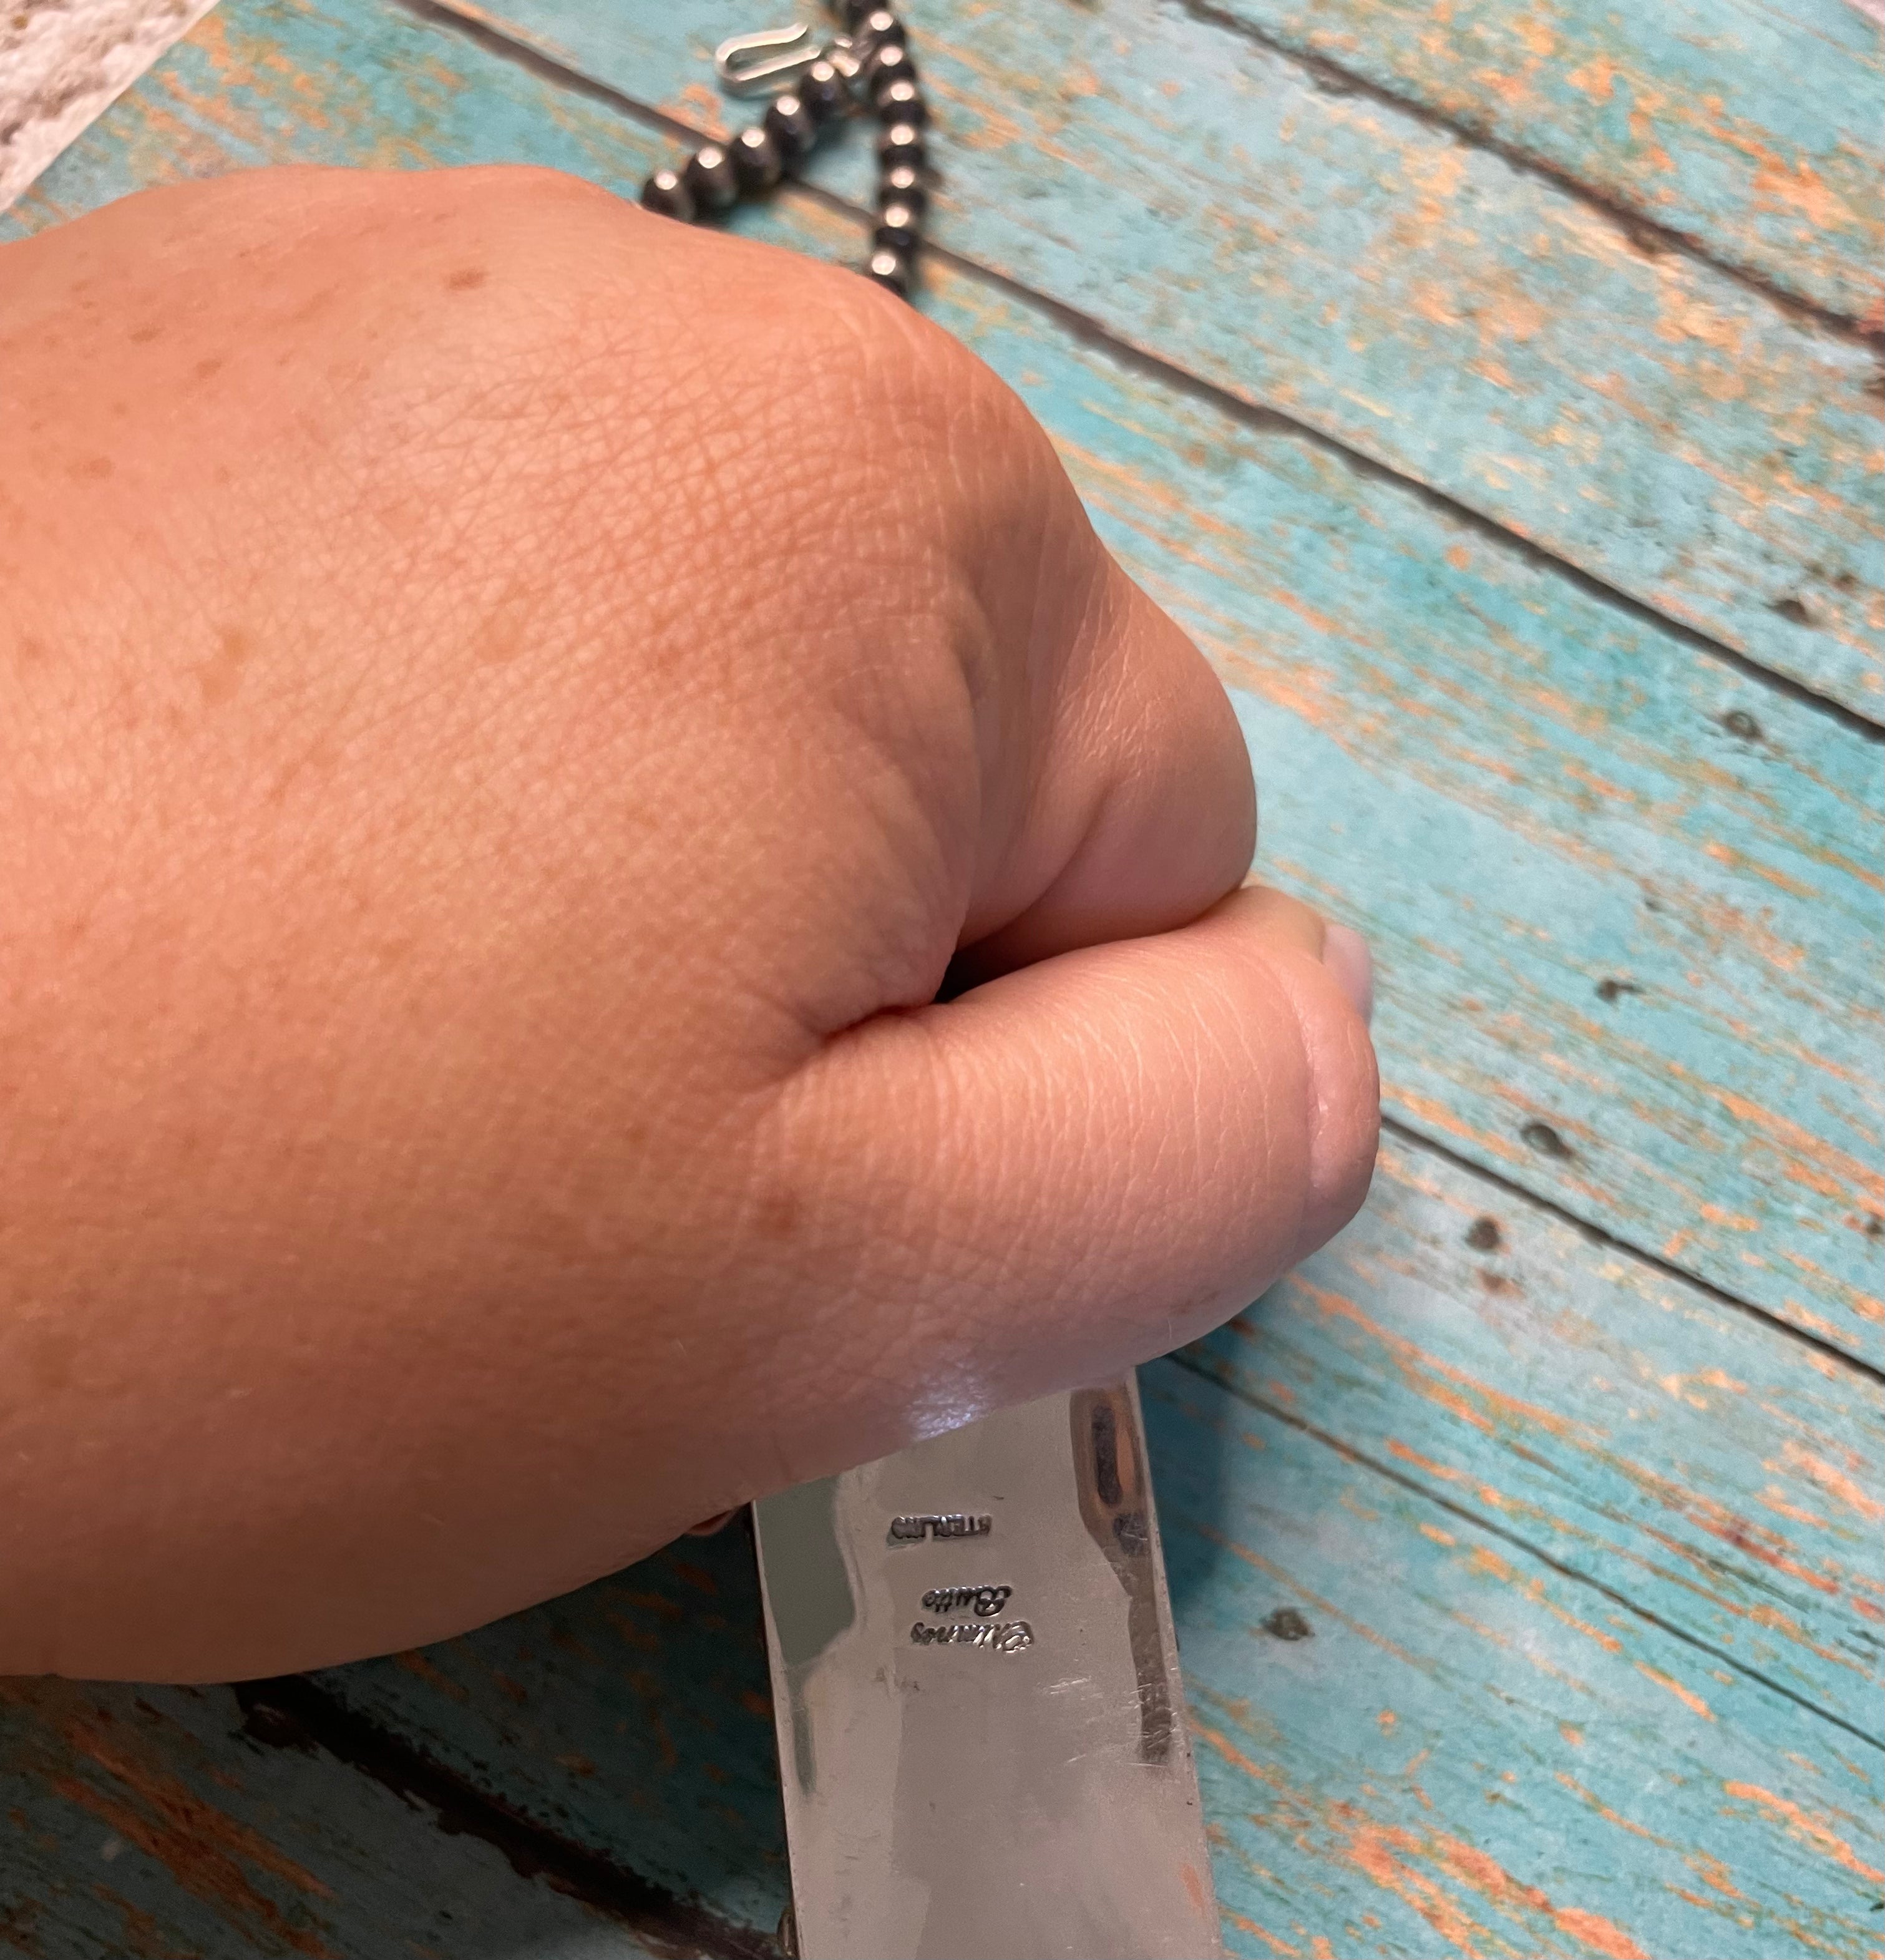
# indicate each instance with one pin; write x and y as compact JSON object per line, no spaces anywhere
{"x":772,"y":60}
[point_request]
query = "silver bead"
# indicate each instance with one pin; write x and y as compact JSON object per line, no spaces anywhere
{"x":756,"y":160}
{"x":902,"y":143}
{"x":667,"y":196}
{"x":710,"y":179}
{"x":889,"y":268}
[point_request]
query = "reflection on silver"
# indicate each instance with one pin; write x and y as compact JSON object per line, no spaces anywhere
{"x":980,"y":1725}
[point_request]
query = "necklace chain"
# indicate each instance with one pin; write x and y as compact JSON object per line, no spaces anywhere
{"x":818,"y":84}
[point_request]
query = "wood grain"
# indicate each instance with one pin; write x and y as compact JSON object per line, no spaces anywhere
{"x":153,"y":1824}
{"x":634,"y":1717}
{"x":1414,"y":1737}
{"x":1471,"y":1754}
{"x":1628,"y":954}
{"x":1638,"y":412}
{"x":1749,"y":127}
{"x":1612,"y":1417}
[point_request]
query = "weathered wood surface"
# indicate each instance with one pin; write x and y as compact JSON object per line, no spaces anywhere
{"x":1468,"y":1751}
{"x":162,"y":1824}
{"x":634,"y":1719}
{"x":1621,"y":1422}
{"x":1624,"y":897}
{"x":1751,"y":129}
{"x":1630,"y":408}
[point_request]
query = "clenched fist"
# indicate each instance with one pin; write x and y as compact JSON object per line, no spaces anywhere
{"x":611,"y":902}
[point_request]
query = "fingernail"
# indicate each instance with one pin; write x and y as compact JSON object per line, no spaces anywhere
{"x":1345,"y":953}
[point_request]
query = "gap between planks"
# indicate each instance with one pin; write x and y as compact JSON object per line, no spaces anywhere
{"x":1411,"y":1133}
{"x":292,"y":1712}
{"x":1087,"y":332}
{"x":1186,"y":1359}
{"x":1647,"y":233}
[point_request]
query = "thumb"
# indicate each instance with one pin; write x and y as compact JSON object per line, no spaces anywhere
{"x":1086,"y":1163}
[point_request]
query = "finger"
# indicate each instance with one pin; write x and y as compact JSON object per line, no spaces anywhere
{"x":1096,"y":1158}
{"x":1138,"y":811}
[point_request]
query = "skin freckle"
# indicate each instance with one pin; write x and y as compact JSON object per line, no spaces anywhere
{"x":220,"y":676}
{"x":50,"y":1353}
{"x":777,"y":1217}
{"x":465,"y":278}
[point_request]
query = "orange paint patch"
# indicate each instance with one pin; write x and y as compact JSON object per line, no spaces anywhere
{"x":1232,"y":1753}
{"x":1712,"y":1873}
{"x":1256,"y":1932}
{"x":1592,"y":1929}
{"x":1603,"y":1810}
{"x":203,"y":1848}
{"x":1474,"y":1402}
{"x":414,"y":1663}
{"x":1800,"y":1824}
{"x":1687,"y":1697}
{"x":1831,"y":1479}
{"x":1383,"y":1852}
{"x":1776,"y":1500}
{"x":1801,"y":188}
{"x":1837,"y":1173}
{"x":1426,"y":1109}
{"x":1371,"y":1851}
{"x":1397,"y":1448}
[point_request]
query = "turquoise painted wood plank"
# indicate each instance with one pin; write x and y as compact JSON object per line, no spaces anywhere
{"x":1615,"y":1418}
{"x":1413,"y":1737}
{"x":1641,"y":414}
{"x":1626,"y":900}
{"x":1470,"y":1753}
{"x":145,"y":1823}
{"x":1748,"y":126}
{"x":633,"y":1718}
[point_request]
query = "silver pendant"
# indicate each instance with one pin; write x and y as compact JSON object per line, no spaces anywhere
{"x":980,"y":1718}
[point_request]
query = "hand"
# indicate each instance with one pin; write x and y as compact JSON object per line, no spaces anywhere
{"x":516,"y":709}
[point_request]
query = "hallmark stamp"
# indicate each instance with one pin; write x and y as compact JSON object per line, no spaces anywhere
{"x":915,"y":1527}
{"x":984,"y":1601}
{"x":1001,"y":1637}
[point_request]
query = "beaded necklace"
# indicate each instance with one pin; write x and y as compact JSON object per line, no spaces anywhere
{"x":814,"y":84}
